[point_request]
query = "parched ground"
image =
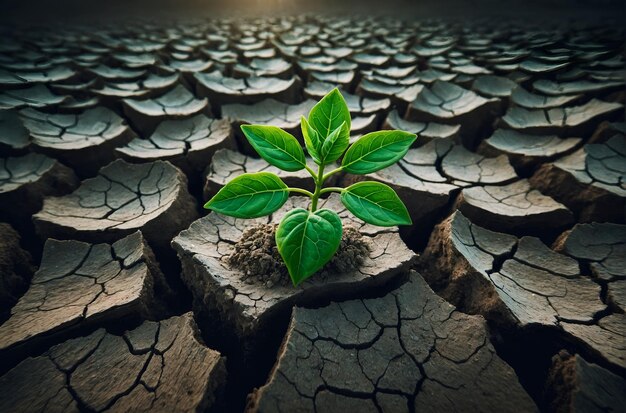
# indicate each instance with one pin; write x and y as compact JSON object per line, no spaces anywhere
{"x":507,"y":294}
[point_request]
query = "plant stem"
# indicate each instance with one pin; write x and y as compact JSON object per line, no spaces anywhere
{"x":331,"y":189}
{"x":319,"y":181}
{"x":301,"y":191}
{"x":311,"y":171}
{"x":334,"y":171}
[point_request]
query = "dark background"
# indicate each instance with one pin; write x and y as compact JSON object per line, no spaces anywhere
{"x":35,"y":11}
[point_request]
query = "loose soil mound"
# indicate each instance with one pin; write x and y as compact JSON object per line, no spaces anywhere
{"x":257,"y":256}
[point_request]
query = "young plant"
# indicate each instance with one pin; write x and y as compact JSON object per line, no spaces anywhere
{"x":308,"y":238}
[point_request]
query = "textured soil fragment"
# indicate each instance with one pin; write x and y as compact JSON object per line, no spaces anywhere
{"x":527,"y":151}
{"x":26,"y":180}
{"x":122,"y":198}
{"x":79,"y":283}
{"x":85,"y":142}
{"x":178,"y":103}
{"x":522,"y":97}
{"x":188,"y":144}
{"x":358,"y":105}
{"x":151,"y":86}
{"x":494,"y":86}
{"x":399,"y":94}
{"x":106,"y":72}
{"x":219,"y":88}
{"x":605,"y":339}
{"x":514,"y":208}
{"x":521,"y":283}
{"x":591,"y":181}
{"x":449,"y":103}
{"x":275,"y":67}
{"x":552,"y":88}
{"x":407,"y":351}
{"x":466,"y":167}
{"x":425,"y":131}
{"x":12,"y":79}
{"x":38,"y":96}
{"x":158,"y":366}
{"x":568,"y":121}
{"x":600,"y":247}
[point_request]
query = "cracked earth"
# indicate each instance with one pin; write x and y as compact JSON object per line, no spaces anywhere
{"x":507,"y":294}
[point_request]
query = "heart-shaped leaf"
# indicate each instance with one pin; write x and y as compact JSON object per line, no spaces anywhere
{"x":328,"y":114}
{"x":250,"y":196}
{"x":376,"y":204}
{"x":276,"y":146}
{"x":377,"y":150}
{"x":311,"y":140}
{"x":307,"y":240}
{"x":335,"y":145}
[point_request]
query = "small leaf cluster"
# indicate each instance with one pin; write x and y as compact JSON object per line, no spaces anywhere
{"x":308,"y":238}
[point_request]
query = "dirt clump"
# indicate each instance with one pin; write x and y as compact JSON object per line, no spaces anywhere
{"x":256,"y":256}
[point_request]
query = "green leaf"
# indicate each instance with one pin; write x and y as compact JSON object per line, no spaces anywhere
{"x":377,"y":150}
{"x":276,"y":146}
{"x":335,"y":145}
{"x":328,"y":114}
{"x":311,"y":140}
{"x":376,"y":204}
{"x":250,"y":196}
{"x":307,"y":240}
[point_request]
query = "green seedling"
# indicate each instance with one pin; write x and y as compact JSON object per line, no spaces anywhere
{"x":308,"y":238}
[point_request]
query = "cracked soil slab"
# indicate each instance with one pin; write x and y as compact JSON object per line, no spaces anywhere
{"x":521,"y":283}
{"x":78,"y":284}
{"x":408,"y":351}
{"x":158,"y":366}
{"x":122,"y":198}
